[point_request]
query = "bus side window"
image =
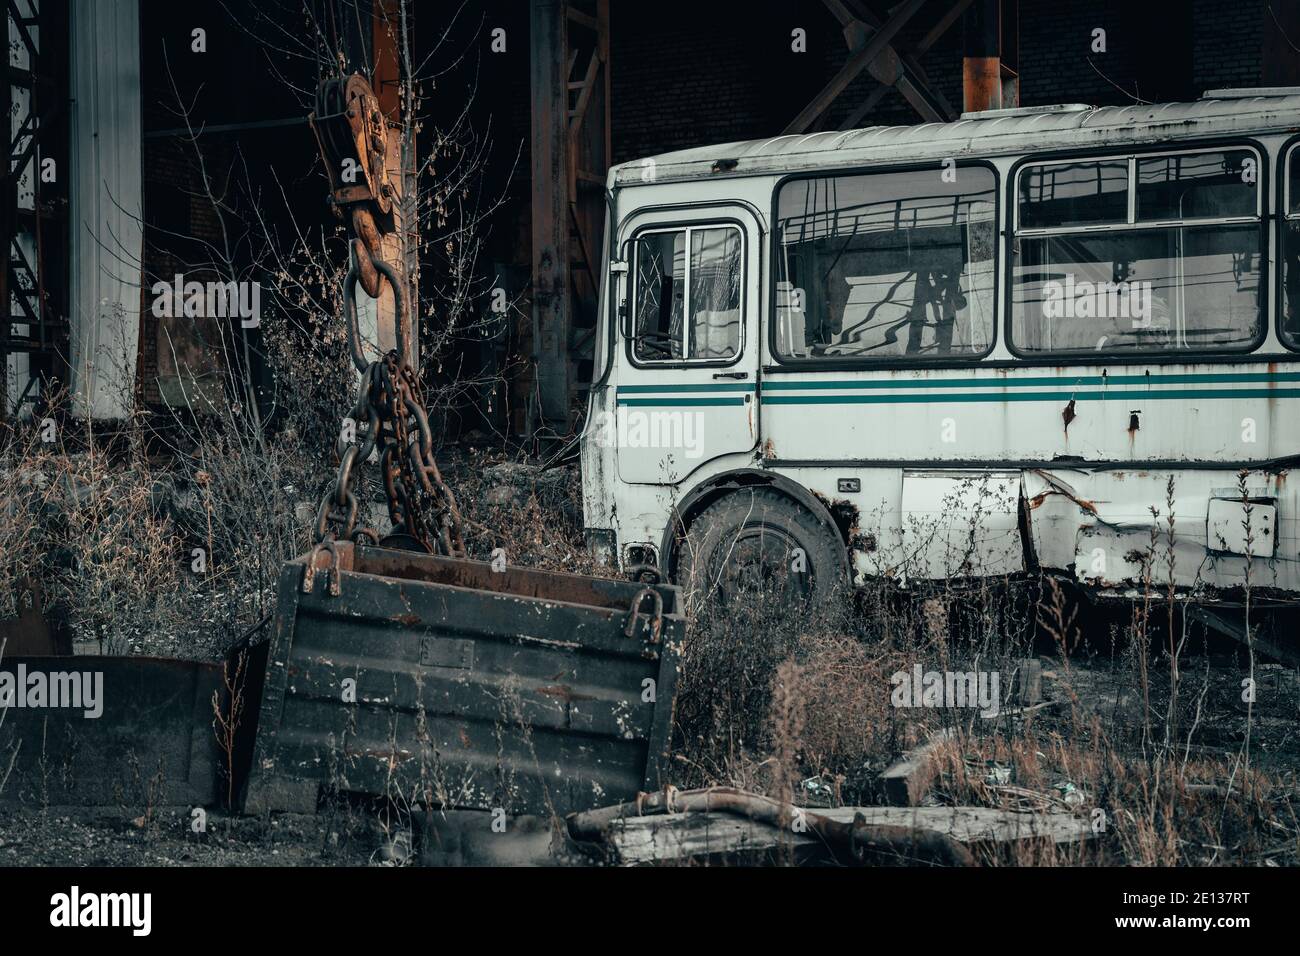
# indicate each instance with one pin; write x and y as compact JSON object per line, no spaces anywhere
{"x":1138,"y":253}
{"x":660,"y":295}
{"x":688,"y":296}
{"x":885,"y":265}
{"x":1290,"y":307}
{"x":715,"y":293}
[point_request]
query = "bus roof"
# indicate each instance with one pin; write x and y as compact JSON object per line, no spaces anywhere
{"x":997,"y":132}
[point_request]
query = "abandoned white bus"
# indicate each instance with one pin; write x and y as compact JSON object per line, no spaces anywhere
{"x":996,"y":346}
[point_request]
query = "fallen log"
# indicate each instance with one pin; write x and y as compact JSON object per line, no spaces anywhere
{"x":852,"y":834}
{"x":722,"y":821}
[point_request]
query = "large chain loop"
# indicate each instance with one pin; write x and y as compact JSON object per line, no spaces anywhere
{"x":392,"y":423}
{"x":390,"y":418}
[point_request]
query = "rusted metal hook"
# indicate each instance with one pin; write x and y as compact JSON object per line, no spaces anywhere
{"x":331,"y":571}
{"x":656,"y":619}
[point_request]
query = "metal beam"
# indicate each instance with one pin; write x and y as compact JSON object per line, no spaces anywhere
{"x":401,"y":246}
{"x":915,"y":73}
{"x":33,"y":269}
{"x":585,"y":88}
{"x":856,"y":64}
{"x":909,"y":76}
{"x":223,"y":128}
{"x":942,"y":26}
{"x":549,"y":70}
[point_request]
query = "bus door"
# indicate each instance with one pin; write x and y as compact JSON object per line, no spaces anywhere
{"x":688,"y":318}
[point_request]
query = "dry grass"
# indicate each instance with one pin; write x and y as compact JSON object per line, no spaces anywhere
{"x":1144,"y":735}
{"x":1148,"y":728}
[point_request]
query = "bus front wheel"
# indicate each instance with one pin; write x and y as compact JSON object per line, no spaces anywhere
{"x":757,"y":544}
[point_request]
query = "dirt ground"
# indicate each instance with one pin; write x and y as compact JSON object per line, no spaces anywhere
{"x":1063,"y":754}
{"x":63,"y":837}
{"x":800,"y":709}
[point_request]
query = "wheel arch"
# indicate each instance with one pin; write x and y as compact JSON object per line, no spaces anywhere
{"x":718,"y":486}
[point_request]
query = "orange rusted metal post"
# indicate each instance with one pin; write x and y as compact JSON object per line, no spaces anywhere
{"x":402,"y":245}
{"x":990,"y":80}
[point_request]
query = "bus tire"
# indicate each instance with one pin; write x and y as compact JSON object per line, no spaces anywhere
{"x":745,"y":544}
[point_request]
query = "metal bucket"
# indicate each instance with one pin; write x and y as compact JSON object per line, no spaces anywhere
{"x":441,"y":682}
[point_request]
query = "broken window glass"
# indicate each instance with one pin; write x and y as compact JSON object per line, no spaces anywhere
{"x":660,"y":295}
{"x":715,"y":293}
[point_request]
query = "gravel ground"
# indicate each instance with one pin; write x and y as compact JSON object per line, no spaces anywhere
{"x":76,"y":838}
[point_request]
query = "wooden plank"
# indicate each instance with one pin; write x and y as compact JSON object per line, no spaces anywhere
{"x":1262,"y":642}
{"x":975,"y":824}
{"x":1029,"y":682}
{"x":681,"y":836}
{"x":654,"y":839}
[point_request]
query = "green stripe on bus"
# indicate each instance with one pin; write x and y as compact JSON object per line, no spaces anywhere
{"x":1032,"y":396}
{"x":681,"y":401}
{"x":692,"y":387}
{"x":1189,"y":378}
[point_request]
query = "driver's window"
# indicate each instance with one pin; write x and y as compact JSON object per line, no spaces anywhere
{"x":688,"y":306}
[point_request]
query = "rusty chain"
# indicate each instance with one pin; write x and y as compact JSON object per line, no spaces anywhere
{"x":391,"y":420}
{"x":389,"y":413}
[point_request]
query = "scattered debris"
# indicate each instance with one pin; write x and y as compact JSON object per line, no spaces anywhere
{"x":904,"y":783}
{"x":511,"y":484}
{"x":817,"y":791}
{"x":997,"y":774}
{"x":1071,"y":796}
{"x":1090,"y":690}
{"x":722,"y":822}
{"x":394,"y":851}
{"x":30,"y":632}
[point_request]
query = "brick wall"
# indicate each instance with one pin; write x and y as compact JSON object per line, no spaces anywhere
{"x":689,"y":74}
{"x":1227,"y":44}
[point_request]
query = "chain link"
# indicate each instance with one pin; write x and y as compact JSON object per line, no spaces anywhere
{"x":391,"y":420}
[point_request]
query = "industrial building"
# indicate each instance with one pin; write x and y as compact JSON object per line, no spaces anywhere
{"x":147,"y":136}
